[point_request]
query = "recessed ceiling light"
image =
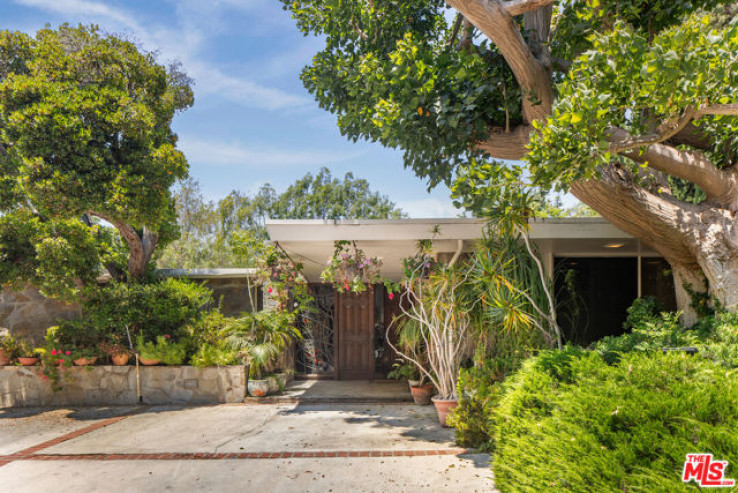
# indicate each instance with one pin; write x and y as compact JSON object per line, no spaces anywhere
{"x":614,"y":245}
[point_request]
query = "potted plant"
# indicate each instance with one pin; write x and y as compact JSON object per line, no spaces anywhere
{"x":259,"y":338}
{"x":8,"y":349}
{"x":84,"y":356}
{"x":27,"y":354}
{"x":162,"y":351}
{"x":349,"y":270}
{"x":437,"y":313}
{"x":117,"y":351}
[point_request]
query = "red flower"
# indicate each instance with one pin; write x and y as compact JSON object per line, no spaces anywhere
{"x":43,"y":376}
{"x":167,"y":336}
{"x":61,"y":361}
{"x":53,"y":352}
{"x":392,"y":296}
{"x":69,"y":352}
{"x":269,"y":290}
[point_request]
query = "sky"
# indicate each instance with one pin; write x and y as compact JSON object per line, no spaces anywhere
{"x":252,"y":122}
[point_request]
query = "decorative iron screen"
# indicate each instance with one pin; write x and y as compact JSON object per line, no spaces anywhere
{"x":315,"y":351}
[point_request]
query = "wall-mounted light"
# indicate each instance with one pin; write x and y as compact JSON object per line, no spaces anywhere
{"x":615,"y":245}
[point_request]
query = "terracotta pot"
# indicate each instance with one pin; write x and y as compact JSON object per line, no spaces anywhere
{"x":413,"y":383}
{"x":149,"y":362}
{"x":4,"y":359}
{"x":443,"y":406}
{"x":120,"y":359}
{"x":422,"y":395}
{"x":258,"y":388}
{"x":28,"y":360}
{"x":85,"y":361}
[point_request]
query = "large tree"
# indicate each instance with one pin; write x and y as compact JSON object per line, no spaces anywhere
{"x":629,"y":104}
{"x":85,"y":131}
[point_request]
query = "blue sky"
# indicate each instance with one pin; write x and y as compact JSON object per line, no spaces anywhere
{"x":252,"y":121}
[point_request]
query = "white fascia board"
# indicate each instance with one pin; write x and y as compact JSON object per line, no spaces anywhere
{"x":206,"y":273}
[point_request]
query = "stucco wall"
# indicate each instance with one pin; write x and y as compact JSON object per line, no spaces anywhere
{"x":28,"y":313}
{"x":116,"y":385}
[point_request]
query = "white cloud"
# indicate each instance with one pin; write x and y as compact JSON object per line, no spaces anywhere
{"x":84,"y":8}
{"x":430,"y":207}
{"x":196,"y":21}
{"x":234,"y":153}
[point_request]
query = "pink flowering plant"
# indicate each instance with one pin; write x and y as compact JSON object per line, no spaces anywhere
{"x":349,"y":270}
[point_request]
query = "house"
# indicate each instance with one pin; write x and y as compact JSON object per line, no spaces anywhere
{"x":598,"y":271}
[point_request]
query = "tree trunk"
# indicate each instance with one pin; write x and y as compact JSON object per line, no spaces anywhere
{"x":687,"y":276}
{"x":140,"y":247}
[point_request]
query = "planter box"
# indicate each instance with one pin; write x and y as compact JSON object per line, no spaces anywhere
{"x":116,"y":385}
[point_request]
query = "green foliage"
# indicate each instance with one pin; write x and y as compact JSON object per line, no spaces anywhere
{"x":403,"y":371}
{"x":260,"y":337}
{"x":714,"y":337}
{"x":507,"y":282}
{"x":628,"y":79}
{"x":163,"y":350}
{"x":10,"y":346}
{"x":392,"y":73}
{"x":56,"y":256}
{"x":156,"y":309}
{"x":85,"y":129}
{"x":478,"y":398}
{"x":210,"y":230}
{"x":214,"y":355}
{"x":626,"y":427}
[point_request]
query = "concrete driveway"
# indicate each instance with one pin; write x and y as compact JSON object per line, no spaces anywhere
{"x":285,"y":447}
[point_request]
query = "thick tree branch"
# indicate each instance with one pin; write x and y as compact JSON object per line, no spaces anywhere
{"x":517,"y":7}
{"x":622,"y":141}
{"x":693,"y":136}
{"x":656,"y":220}
{"x":719,"y":185}
{"x":718,"y":109}
{"x":492,"y":18}
{"x":507,"y":145}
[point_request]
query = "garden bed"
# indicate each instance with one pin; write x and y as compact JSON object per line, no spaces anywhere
{"x":116,"y":385}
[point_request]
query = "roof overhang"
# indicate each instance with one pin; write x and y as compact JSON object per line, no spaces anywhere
{"x":312,"y":241}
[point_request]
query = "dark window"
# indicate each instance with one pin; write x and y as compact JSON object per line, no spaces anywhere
{"x":592,"y":296}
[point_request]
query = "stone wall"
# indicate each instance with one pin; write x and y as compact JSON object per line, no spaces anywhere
{"x":28,"y":313}
{"x":116,"y":385}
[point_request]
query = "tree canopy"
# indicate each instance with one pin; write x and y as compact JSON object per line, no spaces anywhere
{"x":85,"y":131}
{"x":208,"y":228}
{"x":627,"y":104}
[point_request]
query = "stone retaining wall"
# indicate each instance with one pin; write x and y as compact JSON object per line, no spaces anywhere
{"x":116,"y":385}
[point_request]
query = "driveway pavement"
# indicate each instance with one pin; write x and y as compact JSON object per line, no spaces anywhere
{"x":285,"y":447}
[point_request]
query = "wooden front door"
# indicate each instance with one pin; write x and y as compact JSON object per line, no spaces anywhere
{"x":355,"y":336}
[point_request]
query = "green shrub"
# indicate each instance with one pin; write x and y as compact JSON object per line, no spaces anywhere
{"x":207,"y":330}
{"x":569,"y":421}
{"x":148,"y":310}
{"x":480,"y":391}
{"x":215,"y":355}
{"x":163,"y":350}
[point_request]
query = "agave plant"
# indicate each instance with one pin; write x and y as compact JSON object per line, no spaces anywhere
{"x":260,"y":337}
